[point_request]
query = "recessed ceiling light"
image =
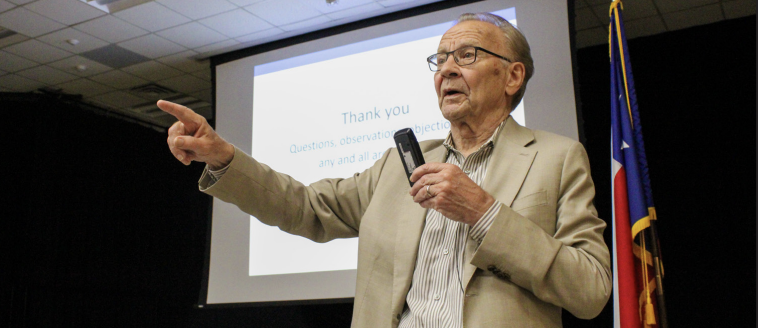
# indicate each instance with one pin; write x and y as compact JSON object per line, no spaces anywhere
{"x":331,"y":2}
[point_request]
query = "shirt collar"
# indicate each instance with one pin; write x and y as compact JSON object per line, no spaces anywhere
{"x":450,"y":145}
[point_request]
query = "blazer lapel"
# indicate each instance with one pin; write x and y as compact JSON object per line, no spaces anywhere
{"x":407,"y":240}
{"x":510,"y":163}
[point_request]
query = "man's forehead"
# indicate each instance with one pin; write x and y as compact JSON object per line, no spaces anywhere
{"x":469,"y":33}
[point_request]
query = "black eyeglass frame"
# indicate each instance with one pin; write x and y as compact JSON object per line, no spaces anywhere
{"x":435,"y":68}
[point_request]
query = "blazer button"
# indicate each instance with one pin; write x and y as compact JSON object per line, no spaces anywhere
{"x":398,"y":316}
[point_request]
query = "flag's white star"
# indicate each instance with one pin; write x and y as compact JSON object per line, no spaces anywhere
{"x":624,"y":145}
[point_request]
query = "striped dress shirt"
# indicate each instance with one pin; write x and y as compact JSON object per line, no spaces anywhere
{"x":435,"y":298}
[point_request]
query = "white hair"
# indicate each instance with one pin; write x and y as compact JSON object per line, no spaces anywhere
{"x":514,"y":41}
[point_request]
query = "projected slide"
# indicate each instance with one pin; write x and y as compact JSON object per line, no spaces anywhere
{"x":333,"y":113}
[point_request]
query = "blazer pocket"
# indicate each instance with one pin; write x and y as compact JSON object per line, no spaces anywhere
{"x":535,"y":199}
{"x":535,"y":208}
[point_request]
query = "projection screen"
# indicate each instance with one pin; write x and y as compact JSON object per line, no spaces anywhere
{"x":327,"y":108}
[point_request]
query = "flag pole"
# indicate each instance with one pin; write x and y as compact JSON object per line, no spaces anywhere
{"x":639,"y":168}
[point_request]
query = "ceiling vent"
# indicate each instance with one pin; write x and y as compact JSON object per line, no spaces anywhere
{"x":6,"y":33}
{"x":112,"y":6}
{"x":151,"y":109}
{"x":152,"y":90}
{"x":114,"y":56}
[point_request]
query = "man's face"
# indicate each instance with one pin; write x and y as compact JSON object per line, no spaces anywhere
{"x":477,"y":89}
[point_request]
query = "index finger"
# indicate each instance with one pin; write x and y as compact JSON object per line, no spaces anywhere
{"x":426,"y":169}
{"x":184,"y":114}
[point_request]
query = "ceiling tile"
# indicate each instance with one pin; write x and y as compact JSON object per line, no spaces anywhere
{"x":47,"y":74}
{"x":37,"y":51}
{"x":27,"y":22}
{"x":84,"y":87}
{"x":118,"y":99}
{"x":217,"y":46}
{"x":591,"y":37}
{"x":390,"y":3}
{"x":67,"y":12}
{"x":197,"y":9}
{"x":259,"y":35}
{"x":204,"y":74}
{"x":325,"y":8}
{"x":635,"y":10}
{"x":693,"y":17}
{"x":71,"y":64}
{"x":644,"y":27}
{"x":15,"y":38}
{"x":13,"y":63}
{"x":306,"y":23}
{"x":186,"y":84}
{"x":152,"y":16}
{"x":236,"y":23}
{"x":271,"y":11}
{"x":586,"y":19}
{"x":192,"y":35}
{"x":111,"y":29}
{"x":5,"y":6}
{"x":60,"y":40}
{"x":153,"y":71}
{"x":204,"y":95}
{"x":184,"y":62}
{"x":243,"y":3}
{"x":152,"y":46}
{"x":20,"y":2}
{"x":739,"y":8}
{"x":118,"y":79}
{"x":355,"y":11}
{"x":19,"y":83}
{"x":667,"y":6}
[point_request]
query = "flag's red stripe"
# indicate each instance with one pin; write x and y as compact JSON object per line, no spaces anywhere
{"x":628,"y":303}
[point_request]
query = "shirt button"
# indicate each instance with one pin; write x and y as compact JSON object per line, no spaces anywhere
{"x":436,"y":297}
{"x":467,"y":171}
{"x":445,"y":251}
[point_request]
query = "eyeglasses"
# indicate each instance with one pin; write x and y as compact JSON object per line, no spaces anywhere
{"x":463,"y":56}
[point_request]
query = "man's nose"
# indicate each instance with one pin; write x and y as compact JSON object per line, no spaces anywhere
{"x":450,"y":68}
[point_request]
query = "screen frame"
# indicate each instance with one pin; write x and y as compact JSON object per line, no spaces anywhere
{"x":299,"y":41}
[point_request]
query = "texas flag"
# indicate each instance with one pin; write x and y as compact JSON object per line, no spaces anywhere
{"x":633,"y":281}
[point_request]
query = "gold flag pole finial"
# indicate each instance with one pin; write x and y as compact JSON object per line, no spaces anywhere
{"x":615,"y":4}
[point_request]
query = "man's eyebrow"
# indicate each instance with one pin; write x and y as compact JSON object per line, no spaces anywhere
{"x":461,"y":45}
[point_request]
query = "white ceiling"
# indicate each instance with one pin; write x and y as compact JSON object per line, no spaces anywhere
{"x":171,"y":39}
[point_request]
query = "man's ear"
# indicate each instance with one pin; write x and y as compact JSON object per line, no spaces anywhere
{"x":515,"y":78}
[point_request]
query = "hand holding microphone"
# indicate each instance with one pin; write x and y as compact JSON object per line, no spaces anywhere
{"x":441,"y":186}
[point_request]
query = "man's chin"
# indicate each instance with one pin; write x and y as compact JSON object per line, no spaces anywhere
{"x":452,"y":112}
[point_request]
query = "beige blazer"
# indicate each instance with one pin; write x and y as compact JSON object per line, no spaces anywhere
{"x":544,"y":251}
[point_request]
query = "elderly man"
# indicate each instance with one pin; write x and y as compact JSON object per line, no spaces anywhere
{"x":499,"y":227}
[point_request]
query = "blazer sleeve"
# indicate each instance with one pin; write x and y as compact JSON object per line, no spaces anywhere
{"x":323,"y":211}
{"x":569,"y":269}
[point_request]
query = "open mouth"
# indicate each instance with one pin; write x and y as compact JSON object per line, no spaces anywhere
{"x":452,"y":92}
